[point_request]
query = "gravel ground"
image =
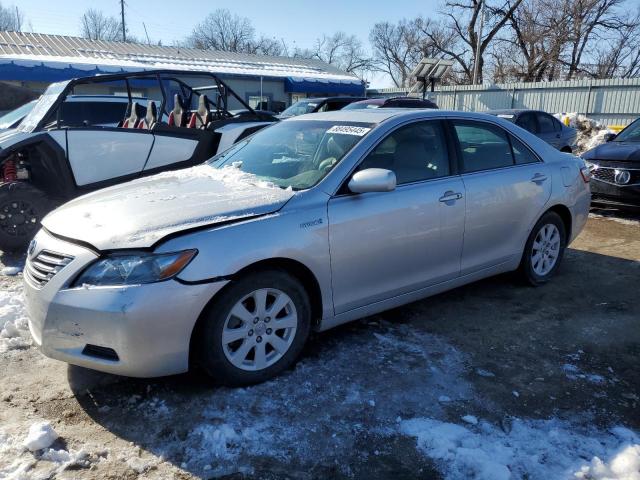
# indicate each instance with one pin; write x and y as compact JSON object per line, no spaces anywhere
{"x":492,"y":380}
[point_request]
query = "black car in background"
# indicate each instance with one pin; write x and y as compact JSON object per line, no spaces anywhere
{"x":615,"y":168}
{"x":319,"y":104}
{"x":392,"y":102}
{"x":542,"y":125}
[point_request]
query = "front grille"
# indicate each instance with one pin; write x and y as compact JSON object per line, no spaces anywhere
{"x":604,"y":174}
{"x":44,"y":266}
{"x":608,"y":175}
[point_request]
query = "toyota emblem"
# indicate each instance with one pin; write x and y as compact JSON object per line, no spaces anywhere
{"x":622,"y":177}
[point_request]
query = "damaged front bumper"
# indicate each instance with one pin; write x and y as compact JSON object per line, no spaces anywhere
{"x":136,"y":330}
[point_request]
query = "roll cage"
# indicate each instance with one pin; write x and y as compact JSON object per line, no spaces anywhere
{"x":219,"y":100}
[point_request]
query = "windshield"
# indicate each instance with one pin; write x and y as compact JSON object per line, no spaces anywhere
{"x":300,"y":108}
{"x":42,"y":107}
{"x":294,"y":154}
{"x":629,"y":134}
{"x":8,"y":119}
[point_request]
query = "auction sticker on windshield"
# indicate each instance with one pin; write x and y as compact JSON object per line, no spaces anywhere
{"x":349,"y":130}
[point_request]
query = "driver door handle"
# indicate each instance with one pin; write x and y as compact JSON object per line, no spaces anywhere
{"x":539,"y":178}
{"x":450,"y":196}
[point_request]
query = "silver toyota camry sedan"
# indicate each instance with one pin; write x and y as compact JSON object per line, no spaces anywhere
{"x":307,"y":224}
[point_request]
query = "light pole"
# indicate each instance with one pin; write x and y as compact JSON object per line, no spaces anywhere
{"x":476,"y":66}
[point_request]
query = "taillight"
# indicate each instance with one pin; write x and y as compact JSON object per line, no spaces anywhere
{"x":586,"y":174}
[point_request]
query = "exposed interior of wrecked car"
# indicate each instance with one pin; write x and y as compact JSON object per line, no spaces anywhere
{"x":294,"y":154}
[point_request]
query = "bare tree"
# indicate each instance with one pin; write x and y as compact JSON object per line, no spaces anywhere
{"x":95,"y":25}
{"x":396,"y":49}
{"x":223,"y":30}
{"x":619,"y":54}
{"x":228,"y":32}
{"x":589,"y":20}
{"x":344,"y":51}
{"x":11,"y":19}
{"x":463,"y":17}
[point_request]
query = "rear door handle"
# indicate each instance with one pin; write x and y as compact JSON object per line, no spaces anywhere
{"x":539,"y":178}
{"x":450,"y":196}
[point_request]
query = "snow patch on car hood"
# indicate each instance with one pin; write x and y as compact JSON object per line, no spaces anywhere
{"x":139,"y":213}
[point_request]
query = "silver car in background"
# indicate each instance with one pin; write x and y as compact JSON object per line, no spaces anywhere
{"x":308,"y":224}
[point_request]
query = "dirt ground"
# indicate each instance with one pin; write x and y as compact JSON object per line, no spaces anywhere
{"x":496,"y":349}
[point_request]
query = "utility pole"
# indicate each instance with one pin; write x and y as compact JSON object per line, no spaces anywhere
{"x":476,"y":62}
{"x":124,"y":29}
{"x":18,"y":22}
{"x":145,"y":32}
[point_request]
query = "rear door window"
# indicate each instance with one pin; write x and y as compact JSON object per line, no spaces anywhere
{"x":521,"y":153}
{"x":483,"y":146}
{"x":545,"y":123}
{"x":528,"y":122}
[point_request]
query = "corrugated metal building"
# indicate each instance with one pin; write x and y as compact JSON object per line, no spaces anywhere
{"x":34,"y":60}
{"x":612,"y":101}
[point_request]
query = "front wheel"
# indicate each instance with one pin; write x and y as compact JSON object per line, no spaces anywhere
{"x":22,"y":208}
{"x":544,"y":249}
{"x":255,"y":329}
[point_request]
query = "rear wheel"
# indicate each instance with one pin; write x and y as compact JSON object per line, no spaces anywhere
{"x":544,"y":249}
{"x":22,"y":208}
{"x":255,"y":329}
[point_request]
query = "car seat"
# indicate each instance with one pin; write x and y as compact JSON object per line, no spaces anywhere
{"x":178,"y":116}
{"x":201,"y":117}
{"x":135,"y":113}
{"x":150,"y":118}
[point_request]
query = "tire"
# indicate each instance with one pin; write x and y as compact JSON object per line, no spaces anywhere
{"x":548,"y":239}
{"x":237,"y":362}
{"x":22,"y":208}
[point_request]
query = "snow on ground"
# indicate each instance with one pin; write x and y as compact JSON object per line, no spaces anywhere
{"x":617,"y":219}
{"x":18,"y":457}
{"x":590,"y":132}
{"x":534,"y":449}
{"x":329,"y":405}
{"x":14,"y":330}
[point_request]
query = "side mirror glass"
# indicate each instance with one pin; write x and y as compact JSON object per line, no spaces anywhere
{"x":373,"y":180}
{"x":609,"y":136}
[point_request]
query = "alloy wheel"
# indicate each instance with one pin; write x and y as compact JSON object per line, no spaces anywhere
{"x":545,"y":249}
{"x":259,"y":329}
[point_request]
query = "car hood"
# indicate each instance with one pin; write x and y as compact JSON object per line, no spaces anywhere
{"x":617,"y":151}
{"x":140,"y":213}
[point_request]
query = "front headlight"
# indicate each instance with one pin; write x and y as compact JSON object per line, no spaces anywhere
{"x":134,"y":269}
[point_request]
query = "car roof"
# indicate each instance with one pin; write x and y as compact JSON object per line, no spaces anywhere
{"x":372,"y":101}
{"x":511,"y":111}
{"x":322,"y":99}
{"x":379,"y":115}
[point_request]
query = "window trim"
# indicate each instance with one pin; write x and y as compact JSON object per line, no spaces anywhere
{"x":534,"y":154}
{"x":508,"y":134}
{"x":451,"y":153}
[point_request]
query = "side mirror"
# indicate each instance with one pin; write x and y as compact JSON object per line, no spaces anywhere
{"x":609,"y":136}
{"x":372,"y":180}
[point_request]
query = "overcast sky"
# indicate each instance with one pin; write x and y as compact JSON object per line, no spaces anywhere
{"x":298,"y":22}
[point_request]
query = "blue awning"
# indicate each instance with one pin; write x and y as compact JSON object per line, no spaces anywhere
{"x":36,"y":71}
{"x":322,"y":86}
